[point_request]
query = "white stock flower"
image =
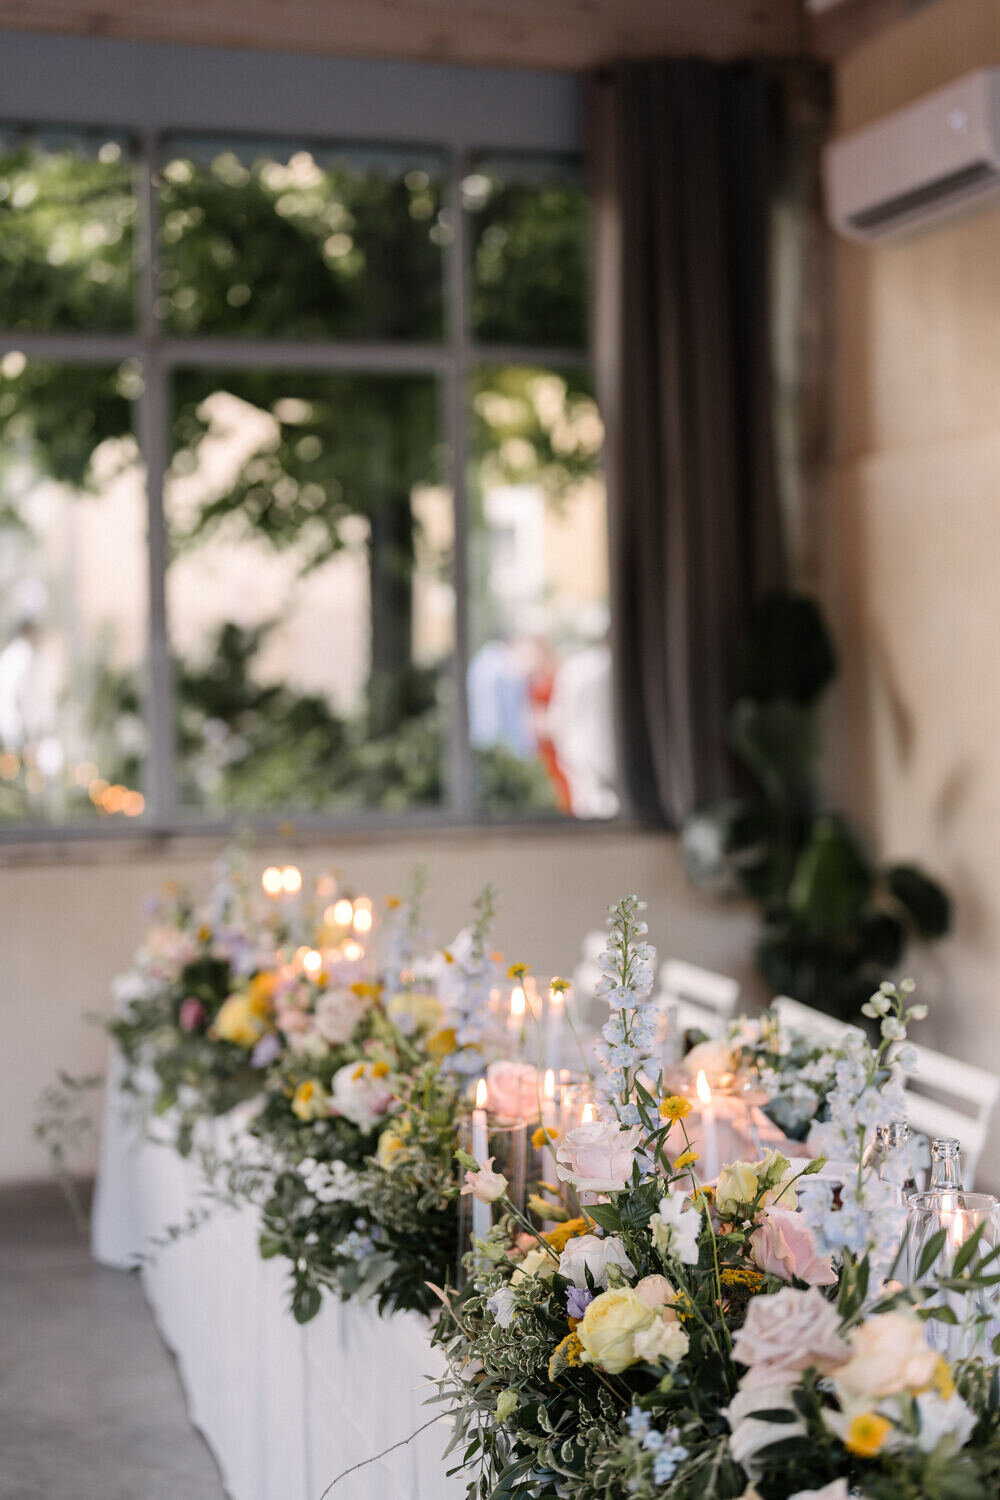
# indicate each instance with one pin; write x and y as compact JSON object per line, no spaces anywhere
{"x":675,"y":1228}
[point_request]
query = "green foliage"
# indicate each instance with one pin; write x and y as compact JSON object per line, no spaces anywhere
{"x":833,"y":922}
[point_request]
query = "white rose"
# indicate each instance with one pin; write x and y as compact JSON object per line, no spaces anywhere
{"x":337,"y":1014}
{"x":597,"y":1157}
{"x":889,"y":1354}
{"x":586,"y":1252}
{"x":664,"y":1339}
{"x":359,"y":1095}
{"x":835,"y":1490}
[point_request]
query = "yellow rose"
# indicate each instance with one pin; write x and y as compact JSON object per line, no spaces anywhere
{"x":390,"y":1143}
{"x":260,"y":992}
{"x":238,"y":1023}
{"x":310,"y":1101}
{"x":426,"y":1010}
{"x":737,"y":1185}
{"x":609,"y":1327}
{"x":441,"y":1043}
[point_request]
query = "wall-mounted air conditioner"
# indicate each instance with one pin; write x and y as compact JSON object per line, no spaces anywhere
{"x":919,"y":164}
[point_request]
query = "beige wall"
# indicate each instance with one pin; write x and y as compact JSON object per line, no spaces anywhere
{"x":68,"y":926}
{"x":910,"y":530}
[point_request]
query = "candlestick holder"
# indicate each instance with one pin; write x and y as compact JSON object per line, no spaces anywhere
{"x":506,"y":1142}
{"x":959,"y":1214}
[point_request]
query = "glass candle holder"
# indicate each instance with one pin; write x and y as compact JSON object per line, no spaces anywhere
{"x":959,"y":1214}
{"x":484,"y":1136}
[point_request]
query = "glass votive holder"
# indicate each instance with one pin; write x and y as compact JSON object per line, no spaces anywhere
{"x":506,"y":1143}
{"x":977,"y":1312}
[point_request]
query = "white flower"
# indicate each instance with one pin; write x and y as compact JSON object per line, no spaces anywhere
{"x":329,"y":1182}
{"x":835,"y":1490}
{"x":597,"y":1157}
{"x":715,"y":1056}
{"x":664,"y":1339}
{"x":751,"y":1433}
{"x":946,"y":1421}
{"x":359,"y":1095}
{"x":675,"y":1228}
{"x":586,"y":1252}
{"x":503,"y":1304}
{"x":337,"y":1014}
{"x":485,"y":1184}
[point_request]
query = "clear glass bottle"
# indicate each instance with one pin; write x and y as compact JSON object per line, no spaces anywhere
{"x":946,"y":1165}
{"x":895,"y":1166}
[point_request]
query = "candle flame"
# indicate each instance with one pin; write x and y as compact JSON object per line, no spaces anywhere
{"x":271,"y":880}
{"x":481,"y":1094}
{"x":312,"y":961}
{"x":362,"y":919}
{"x":352,"y":951}
{"x":517,"y":1001}
{"x":343,"y":911}
{"x":704,"y":1092}
{"x":588,"y":1114}
{"x":957,"y":1235}
{"x":291,"y":879}
{"x":549,"y":1086}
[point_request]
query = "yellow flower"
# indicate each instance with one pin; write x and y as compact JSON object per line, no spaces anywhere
{"x":237,"y":1022}
{"x":260,"y":992}
{"x":741,"y":1276}
{"x":559,"y":985}
{"x":609,"y":1327}
{"x":390,"y":1143}
{"x":426,"y":1010}
{"x":543,"y":1135}
{"x":310,"y":1102}
{"x":941,"y":1380}
{"x":686,"y":1159}
{"x":737,"y":1187}
{"x":566,"y":1354}
{"x":442,"y":1043}
{"x":204,"y":934}
{"x":359,"y":1072}
{"x":675,"y":1107}
{"x":867,"y":1434}
{"x":562,"y":1233}
{"x":517,"y":971}
{"x":393,"y":903}
{"x":365,"y":991}
{"x":380,"y":1070}
{"x":449,"y":957}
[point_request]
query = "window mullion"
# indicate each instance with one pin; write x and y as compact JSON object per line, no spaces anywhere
{"x":461,"y":789}
{"x":154,"y":420}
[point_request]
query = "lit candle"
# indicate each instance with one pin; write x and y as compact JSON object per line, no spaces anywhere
{"x":588,"y":1114}
{"x":555,"y":1016}
{"x":710,"y":1139}
{"x":549,"y":1116}
{"x":515,"y":1021}
{"x":343,"y":912}
{"x":482,"y":1217}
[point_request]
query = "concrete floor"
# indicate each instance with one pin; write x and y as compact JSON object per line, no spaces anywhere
{"x":91,"y":1407}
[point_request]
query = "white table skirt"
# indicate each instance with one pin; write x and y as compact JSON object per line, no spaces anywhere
{"x":284,"y":1409}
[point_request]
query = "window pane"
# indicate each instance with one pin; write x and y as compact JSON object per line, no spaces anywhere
{"x":259,"y":239}
{"x":539,"y":678}
{"x":528,"y":227}
{"x":67,"y":213}
{"x":73,"y":597}
{"x":309,"y":590}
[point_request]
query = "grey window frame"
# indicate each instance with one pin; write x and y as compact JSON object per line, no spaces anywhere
{"x":459,"y":112}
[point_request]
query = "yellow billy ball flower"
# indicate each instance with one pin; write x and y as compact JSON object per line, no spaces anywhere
{"x":675,"y":1107}
{"x":543,"y":1135}
{"x":517,"y":971}
{"x":867,"y":1434}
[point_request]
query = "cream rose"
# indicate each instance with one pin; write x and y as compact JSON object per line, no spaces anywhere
{"x":597,"y":1157}
{"x":889,"y":1354}
{"x":536,"y":1263}
{"x":586,"y":1252}
{"x":736,"y":1187}
{"x":609,"y":1327}
{"x":788,"y":1333}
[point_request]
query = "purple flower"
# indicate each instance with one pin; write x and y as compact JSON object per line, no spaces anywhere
{"x":266,"y":1050}
{"x":578,"y":1299}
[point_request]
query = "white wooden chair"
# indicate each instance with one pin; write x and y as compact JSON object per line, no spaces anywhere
{"x":805,"y":1021}
{"x":947,"y":1097}
{"x":696,"y":998}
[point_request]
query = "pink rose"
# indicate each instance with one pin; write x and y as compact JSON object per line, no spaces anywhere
{"x":192,"y":1014}
{"x":597,"y":1157}
{"x":787,"y":1333}
{"x":783,"y":1245}
{"x":513,"y":1090}
{"x":484,"y":1183}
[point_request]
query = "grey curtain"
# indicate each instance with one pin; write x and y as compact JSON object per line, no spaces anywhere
{"x":686,"y":159}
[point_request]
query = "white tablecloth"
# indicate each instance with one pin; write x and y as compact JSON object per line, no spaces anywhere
{"x":285,"y":1409}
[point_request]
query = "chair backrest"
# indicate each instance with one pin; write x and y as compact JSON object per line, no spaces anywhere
{"x":698,"y":998}
{"x":803,"y":1019}
{"x":948,"y":1097}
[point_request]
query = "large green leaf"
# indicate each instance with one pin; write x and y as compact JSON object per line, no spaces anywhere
{"x":923,"y":900}
{"x":788,"y":650}
{"x":777,"y":740}
{"x":833,"y":879}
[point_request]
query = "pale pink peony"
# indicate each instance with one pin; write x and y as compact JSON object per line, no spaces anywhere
{"x":597,"y":1157}
{"x":787,"y":1333}
{"x":783,"y":1245}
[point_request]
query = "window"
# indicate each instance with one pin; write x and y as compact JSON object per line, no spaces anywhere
{"x":300,"y":500}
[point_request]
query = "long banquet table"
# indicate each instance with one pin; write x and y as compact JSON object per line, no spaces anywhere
{"x":285,"y":1409}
